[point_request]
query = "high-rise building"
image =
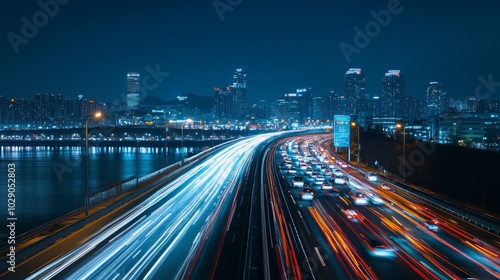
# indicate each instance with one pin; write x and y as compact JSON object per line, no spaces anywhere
{"x":133,"y":91}
{"x":307,"y":103}
{"x":230,"y":101}
{"x":239,"y":93}
{"x":222,"y":100}
{"x":318,"y":109}
{"x":354,"y":91}
{"x":374,"y":106}
{"x":259,"y":110}
{"x":329,"y":103}
{"x":435,"y":100}
{"x":294,"y":107}
{"x":393,"y":94}
{"x":279,"y":109}
{"x":340,"y":104}
{"x":414,"y":108}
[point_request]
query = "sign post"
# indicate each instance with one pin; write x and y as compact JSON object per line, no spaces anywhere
{"x":341,"y":132}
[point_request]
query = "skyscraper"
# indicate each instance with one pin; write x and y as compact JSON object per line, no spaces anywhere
{"x":306,"y":103}
{"x":435,"y":100}
{"x":230,"y":101}
{"x":318,"y":109}
{"x":354,"y":91}
{"x":133,"y":91}
{"x":329,"y":103}
{"x":393,"y":94}
{"x":340,"y":104}
{"x":222,"y":100}
{"x":239,"y":93}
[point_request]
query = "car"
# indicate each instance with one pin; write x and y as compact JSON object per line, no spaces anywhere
{"x":306,"y":194}
{"x":371,"y":176}
{"x":374,"y":199}
{"x":352,"y":215}
{"x":303,"y":166}
{"x":359,"y":198}
{"x":332,"y":192}
{"x":337,"y":172}
{"x":327,"y":173}
{"x":377,"y":248}
{"x":386,"y":187}
{"x":313,"y":175}
{"x":322,"y":168}
{"x":342,"y":164}
{"x":326,"y":186}
{"x":339,"y":180}
{"x":430,"y":225}
{"x":319,"y":179}
{"x":308,"y":171}
{"x":297,"y":182}
{"x":292,"y":170}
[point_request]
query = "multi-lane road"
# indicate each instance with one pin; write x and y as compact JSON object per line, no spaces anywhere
{"x":236,"y":215}
{"x":375,"y":231}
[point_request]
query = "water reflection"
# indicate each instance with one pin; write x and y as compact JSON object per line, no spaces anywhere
{"x":50,"y":181}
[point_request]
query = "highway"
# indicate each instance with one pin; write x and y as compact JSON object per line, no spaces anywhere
{"x":242,"y":214}
{"x":384,"y":238}
{"x":173,"y":234}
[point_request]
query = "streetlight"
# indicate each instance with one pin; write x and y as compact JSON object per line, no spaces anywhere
{"x":182,"y":138}
{"x":404,"y":149}
{"x":136,"y":161}
{"x":96,"y":115}
{"x":166,"y":141}
{"x":359,"y":147}
{"x":212,"y":135}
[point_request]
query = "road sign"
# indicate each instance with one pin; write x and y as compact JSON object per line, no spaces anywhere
{"x":341,"y":130}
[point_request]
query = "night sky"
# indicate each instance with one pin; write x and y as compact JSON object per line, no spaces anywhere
{"x":87,"y":47}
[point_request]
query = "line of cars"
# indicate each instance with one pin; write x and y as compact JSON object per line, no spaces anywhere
{"x":311,"y":169}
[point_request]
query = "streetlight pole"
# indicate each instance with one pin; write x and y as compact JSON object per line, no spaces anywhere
{"x":87,"y":166}
{"x":166,"y":143}
{"x":182,"y":143}
{"x":359,"y":146}
{"x":136,"y":162}
{"x":355,"y":124}
{"x":96,"y":115}
{"x":404,"y":153}
{"x":212,"y":136}
{"x":404,"y":150}
{"x":182,"y":139}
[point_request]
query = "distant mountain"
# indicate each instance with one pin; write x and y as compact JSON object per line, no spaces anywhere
{"x":203,"y":103}
{"x":153,"y":100}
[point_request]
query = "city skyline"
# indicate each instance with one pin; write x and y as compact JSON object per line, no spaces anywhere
{"x":73,"y":55}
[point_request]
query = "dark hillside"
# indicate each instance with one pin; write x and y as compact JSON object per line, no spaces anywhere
{"x":466,"y":175}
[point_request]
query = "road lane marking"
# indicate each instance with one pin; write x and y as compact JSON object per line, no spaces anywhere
{"x":136,"y":254}
{"x":319,"y":256}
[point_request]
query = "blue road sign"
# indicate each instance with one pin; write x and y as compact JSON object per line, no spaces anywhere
{"x":341,"y":130}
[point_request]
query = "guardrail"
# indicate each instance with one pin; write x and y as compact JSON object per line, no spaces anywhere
{"x":481,"y":220}
{"x":488,"y":223}
{"x":151,"y":180}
